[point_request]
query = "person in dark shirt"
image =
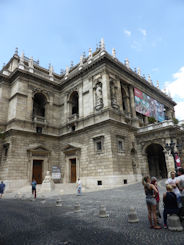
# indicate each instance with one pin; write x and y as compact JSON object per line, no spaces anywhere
{"x":2,"y":188}
{"x":170,"y":203}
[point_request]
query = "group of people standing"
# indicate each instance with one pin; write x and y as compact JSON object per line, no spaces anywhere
{"x":172,"y":198}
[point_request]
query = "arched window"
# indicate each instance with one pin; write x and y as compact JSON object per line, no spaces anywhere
{"x":39,"y":102}
{"x":74,"y":103}
{"x":124,"y":99}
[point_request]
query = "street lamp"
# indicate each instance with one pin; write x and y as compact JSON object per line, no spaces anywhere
{"x":170,"y":147}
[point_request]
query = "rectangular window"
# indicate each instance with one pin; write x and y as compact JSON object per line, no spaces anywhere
{"x":99,"y":144}
{"x":120,"y":144}
{"x":99,"y":182}
{"x":5,"y":151}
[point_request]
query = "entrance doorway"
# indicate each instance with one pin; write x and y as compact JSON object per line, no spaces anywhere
{"x":156,"y":161}
{"x":37,"y":170}
{"x":73,"y":170}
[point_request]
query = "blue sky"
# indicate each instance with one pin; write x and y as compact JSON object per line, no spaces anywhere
{"x":150,"y":33}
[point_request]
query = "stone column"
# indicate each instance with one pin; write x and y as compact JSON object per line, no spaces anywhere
{"x":119,"y":95}
{"x":29,"y":106}
{"x":135,"y":121}
{"x":146,"y":120}
{"x":128,"y":105}
{"x":66,"y":108}
{"x":132,"y":102}
{"x":106,"y":90}
{"x":49,"y":110}
{"x":81,"y":108}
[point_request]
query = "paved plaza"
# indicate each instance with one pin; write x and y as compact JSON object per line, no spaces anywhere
{"x":40,"y":222}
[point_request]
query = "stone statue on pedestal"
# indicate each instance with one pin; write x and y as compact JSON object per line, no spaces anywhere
{"x":48,"y":183}
{"x":99,"y":96}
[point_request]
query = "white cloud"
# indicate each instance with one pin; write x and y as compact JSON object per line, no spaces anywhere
{"x":176,"y":88}
{"x":137,"y":46}
{"x":179,"y":110}
{"x":155,"y":69}
{"x":127,"y":33}
{"x":143,"y":32}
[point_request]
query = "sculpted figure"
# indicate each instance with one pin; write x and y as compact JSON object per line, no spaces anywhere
{"x":30,"y":62}
{"x":99,"y":96}
{"x":48,"y":178}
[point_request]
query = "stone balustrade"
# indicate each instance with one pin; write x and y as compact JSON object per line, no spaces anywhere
{"x":158,"y":125}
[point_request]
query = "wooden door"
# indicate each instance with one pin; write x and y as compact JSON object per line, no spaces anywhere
{"x":37,"y":171}
{"x":73,"y":170}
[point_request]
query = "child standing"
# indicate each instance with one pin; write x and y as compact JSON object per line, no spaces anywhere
{"x":34,"y":187}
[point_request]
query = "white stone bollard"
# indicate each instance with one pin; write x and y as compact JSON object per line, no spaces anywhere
{"x":77,"y":207}
{"x":174,"y":223}
{"x":132,"y":216}
{"x":102,"y":212}
{"x":58,"y":203}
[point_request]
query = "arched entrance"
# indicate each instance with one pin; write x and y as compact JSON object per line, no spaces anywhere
{"x":156,"y":161}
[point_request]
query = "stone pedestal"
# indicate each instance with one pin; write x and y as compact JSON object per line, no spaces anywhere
{"x":174,"y":223}
{"x":48,"y":184}
{"x":132,"y":216}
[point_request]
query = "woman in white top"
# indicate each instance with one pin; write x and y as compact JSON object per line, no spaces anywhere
{"x":173,"y":182}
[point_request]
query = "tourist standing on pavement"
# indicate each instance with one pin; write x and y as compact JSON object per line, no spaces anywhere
{"x":34,"y":187}
{"x":180,"y":179}
{"x":170,"y":204}
{"x":79,"y":187}
{"x":2,"y":188}
{"x":157,"y":197}
{"x":150,"y":201}
{"x":172,"y":181}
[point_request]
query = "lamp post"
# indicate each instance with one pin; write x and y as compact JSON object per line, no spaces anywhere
{"x":170,"y":147}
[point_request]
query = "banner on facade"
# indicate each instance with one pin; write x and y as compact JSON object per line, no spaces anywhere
{"x":56,"y":172}
{"x":148,"y":106}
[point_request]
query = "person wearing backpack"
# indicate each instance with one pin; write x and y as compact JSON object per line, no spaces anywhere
{"x":170,"y":204}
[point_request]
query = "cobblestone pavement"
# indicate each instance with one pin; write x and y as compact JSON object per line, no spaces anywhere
{"x":24,"y":222}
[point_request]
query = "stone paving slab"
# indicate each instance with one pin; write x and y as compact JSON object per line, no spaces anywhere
{"x":23,"y":222}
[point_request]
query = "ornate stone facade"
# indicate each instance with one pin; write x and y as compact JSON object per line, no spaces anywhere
{"x":83,"y":121}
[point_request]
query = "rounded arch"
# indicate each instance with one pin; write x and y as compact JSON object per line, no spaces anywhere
{"x":39,"y":102}
{"x":74,"y":103}
{"x":156,"y":160}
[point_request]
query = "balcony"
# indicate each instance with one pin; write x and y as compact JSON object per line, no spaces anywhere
{"x":39,"y":120}
{"x":73,"y":118}
{"x":154,"y":126}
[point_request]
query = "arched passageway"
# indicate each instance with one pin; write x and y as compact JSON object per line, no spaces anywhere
{"x":156,"y":161}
